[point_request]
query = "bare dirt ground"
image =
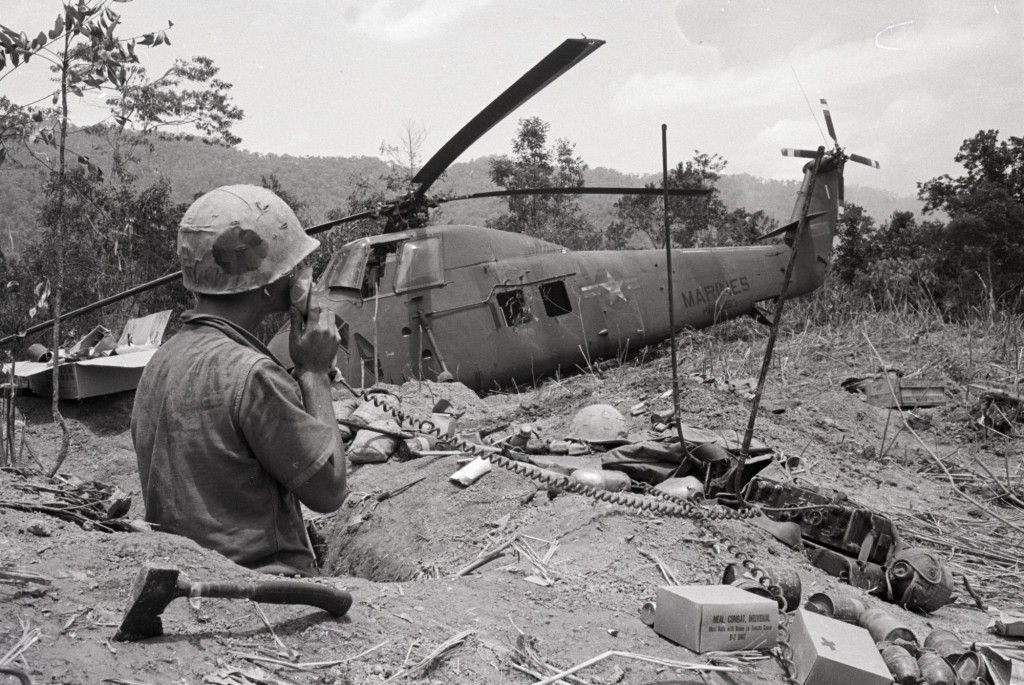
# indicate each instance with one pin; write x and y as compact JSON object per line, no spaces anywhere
{"x":400,"y":554}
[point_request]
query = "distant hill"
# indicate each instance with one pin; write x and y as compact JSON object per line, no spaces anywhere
{"x":325,"y":183}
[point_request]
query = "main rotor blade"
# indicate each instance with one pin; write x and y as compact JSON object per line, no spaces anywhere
{"x":864,"y":160}
{"x":558,"y":61}
{"x":828,"y":120}
{"x":791,"y":152}
{"x":586,"y":190}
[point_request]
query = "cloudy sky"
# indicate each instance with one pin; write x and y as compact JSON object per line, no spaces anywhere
{"x":907,"y":81}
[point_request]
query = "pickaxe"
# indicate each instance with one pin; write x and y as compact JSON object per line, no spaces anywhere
{"x":156,"y":586}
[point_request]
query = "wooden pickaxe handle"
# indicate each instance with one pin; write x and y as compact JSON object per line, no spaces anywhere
{"x":331,"y":600}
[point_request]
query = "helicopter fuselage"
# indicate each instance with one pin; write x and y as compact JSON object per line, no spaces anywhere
{"x":491,"y":309}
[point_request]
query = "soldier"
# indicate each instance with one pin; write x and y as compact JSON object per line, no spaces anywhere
{"x":228,"y":444}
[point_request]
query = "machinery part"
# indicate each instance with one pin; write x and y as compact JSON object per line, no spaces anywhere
{"x":648,"y":612}
{"x":600,"y":424}
{"x":785,"y":532}
{"x":601,"y":479}
{"x":846,"y":609}
{"x":884,"y":627}
{"x":156,"y":586}
{"x":828,"y":519}
{"x":812,"y":154}
{"x":860,"y":574}
{"x":918,"y":580}
{"x":902,"y":665}
{"x":37,"y":353}
{"x":969,"y":666}
{"x":238,"y":238}
{"x":944,"y":642}
{"x":789,"y":581}
{"x":935,"y":670}
{"x":687,"y":487}
{"x":557,"y":62}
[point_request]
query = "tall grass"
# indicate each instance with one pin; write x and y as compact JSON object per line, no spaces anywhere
{"x":824,"y":333}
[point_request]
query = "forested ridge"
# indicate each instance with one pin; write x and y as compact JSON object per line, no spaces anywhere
{"x":192,"y":167}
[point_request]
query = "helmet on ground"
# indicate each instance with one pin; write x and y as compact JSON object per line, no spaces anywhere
{"x":918,"y":580}
{"x":239,"y":238}
{"x":599,"y":424}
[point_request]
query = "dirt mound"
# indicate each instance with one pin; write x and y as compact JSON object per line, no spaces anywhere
{"x":502,"y":581}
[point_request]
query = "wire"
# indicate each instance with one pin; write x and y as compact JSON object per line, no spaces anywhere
{"x":814,"y":115}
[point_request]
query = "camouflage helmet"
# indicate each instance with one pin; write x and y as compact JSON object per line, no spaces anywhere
{"x":600,"y":424}
{"x":239,"y":238}
{"x":917,"y":579}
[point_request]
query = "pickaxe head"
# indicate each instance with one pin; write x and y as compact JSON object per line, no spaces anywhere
{"x":154,"y":588}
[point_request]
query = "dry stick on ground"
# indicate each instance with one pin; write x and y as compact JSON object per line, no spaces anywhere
{"x":935,"y":457}
{"x":432,"y":657}
{"x":22,"y":577}
{"x":525,"y":652}
{"x":666,"y":572}
{"x":525,"y":549}
{"x":309,"y":665}
{"x":288,"y":651}
{"x":1005,"y":492}
{"x":29,"y":636}
{"x":485,"y":557}
{"x":640,"y":657}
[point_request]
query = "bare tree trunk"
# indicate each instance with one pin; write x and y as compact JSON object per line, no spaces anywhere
{"x":58,"y":286}
{"x":9,"y":417}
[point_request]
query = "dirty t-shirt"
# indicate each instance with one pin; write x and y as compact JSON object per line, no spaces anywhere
{"x":222,"y":440}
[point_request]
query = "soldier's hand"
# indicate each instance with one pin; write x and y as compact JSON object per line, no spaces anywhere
{"x":313,"y":341}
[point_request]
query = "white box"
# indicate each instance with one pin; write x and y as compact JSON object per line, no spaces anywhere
{"x":827,"y":651}
{"x":706,"y":618}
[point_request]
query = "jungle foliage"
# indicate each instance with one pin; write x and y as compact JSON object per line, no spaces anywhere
{"x":974,"y":260}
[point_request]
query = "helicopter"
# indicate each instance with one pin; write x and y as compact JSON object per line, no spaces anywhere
{"x":492,"y":309}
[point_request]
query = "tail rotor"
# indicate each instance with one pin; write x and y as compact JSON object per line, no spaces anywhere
{"x":837,"y":153}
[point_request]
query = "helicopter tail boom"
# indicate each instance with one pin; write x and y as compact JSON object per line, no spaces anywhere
{"x":823,"y":211}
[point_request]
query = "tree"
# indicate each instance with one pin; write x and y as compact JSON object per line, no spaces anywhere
{"x":85,"y":53}
{"x":534,"y":164}
{"x":981,"y":250}
{"x":693,"y":221}
{"x":188,"y":94}
{"x":407,"y":153}
{"x":854,"y":231}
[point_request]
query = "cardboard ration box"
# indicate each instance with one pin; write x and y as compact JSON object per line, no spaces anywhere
{"x":827,"y":651}
{"x":705,"y":618}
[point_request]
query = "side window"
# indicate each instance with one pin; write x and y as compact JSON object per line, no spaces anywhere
{"x":419,"y":265}
{"x":343,"y":332}
{"x":555,"y":298}
{"x":346,"y":269}
{"x":512,"y":304}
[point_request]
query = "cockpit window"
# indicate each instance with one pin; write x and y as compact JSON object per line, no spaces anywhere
{"x":419,"y":265}
{"x":346,"y":269}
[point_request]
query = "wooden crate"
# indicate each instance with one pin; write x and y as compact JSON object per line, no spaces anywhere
{"x":911,"y":392}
